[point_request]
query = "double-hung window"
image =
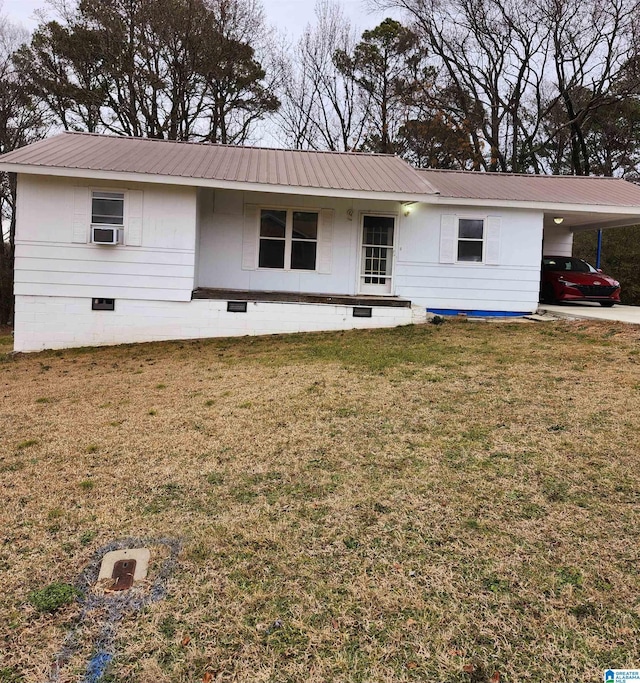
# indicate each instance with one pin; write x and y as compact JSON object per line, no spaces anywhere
{"x":288,"y":239}
{"x":107,"y":213}
{"x":471,"y":239}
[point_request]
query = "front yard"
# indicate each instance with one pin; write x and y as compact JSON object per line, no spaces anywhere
{"x":451,"y":503}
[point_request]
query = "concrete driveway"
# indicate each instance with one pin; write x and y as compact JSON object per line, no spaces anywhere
{"x":623,"y":314}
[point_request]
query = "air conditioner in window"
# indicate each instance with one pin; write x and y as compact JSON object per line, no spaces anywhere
{"x":104,"y":235}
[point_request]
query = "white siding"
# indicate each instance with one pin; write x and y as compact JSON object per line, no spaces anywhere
{"x":51,"y":260}
{"x":510,"y":286}
{"x":56,"y":278}
{"x":64,"y":322}
{"x":558,"y":241}
{"x":223,"y":233}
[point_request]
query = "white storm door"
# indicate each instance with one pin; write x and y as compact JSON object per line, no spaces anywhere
{"x":376,"y":260}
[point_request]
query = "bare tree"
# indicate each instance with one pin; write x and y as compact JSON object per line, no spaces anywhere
{"x":323,"y":108}
{"x":64,"y":68}
{"x":592,"y":43}
{"x":521,"y":71}
{"x":386,"y":64}
{"x":239,"y":91}
{"x":21,"y":122}
{"x":176,"y":69}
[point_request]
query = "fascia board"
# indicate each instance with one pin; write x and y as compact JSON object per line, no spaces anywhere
{"x":558,"y":207}
{"x":630,"y":221}
{"x":128,"y":177}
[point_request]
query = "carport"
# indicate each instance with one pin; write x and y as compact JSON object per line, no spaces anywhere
{"x":562,"y":224}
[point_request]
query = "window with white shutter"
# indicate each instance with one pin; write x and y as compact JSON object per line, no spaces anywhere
{"x":287,"y":239}
{"x":108,"y":216}
{"x":470,"y":239}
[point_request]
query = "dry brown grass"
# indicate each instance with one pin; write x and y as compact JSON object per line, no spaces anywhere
{"x":407,"y":503}
{"x":6,"y":340}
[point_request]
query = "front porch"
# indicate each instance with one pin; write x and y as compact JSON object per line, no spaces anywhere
{"x":300,"y":298}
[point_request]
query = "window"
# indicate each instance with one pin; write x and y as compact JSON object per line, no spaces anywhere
{"x":470,"y":239}
{"x":288,"y":239}
{"x":107,"y":208}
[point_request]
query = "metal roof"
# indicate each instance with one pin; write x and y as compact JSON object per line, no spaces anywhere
{"x":299,"y":172}
{"x":550,"y":189}
{"x":211,"y":162}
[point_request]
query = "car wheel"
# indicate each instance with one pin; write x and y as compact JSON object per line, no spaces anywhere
{"x":607,"y":304}
{"x":548,"y":294}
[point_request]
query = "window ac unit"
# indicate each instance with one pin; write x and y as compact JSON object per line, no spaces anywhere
{"x":103,"y":235}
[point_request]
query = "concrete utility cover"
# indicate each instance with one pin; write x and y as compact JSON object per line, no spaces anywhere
{"x":140,"y":555}
{"x":593,"y":311}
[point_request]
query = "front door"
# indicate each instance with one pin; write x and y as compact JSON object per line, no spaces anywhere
{"x":377,"y":254}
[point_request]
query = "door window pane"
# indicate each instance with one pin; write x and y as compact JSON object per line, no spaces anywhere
{"x":378,"y":230}
{"x":377,"y":265}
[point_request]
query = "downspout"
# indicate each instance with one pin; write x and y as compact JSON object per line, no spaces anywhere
{"x":599,"y":250}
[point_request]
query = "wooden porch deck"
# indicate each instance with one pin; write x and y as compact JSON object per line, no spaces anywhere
{"x":297,"y":297}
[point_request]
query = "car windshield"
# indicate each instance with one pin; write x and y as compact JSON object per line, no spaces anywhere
{"x":567,"y":264}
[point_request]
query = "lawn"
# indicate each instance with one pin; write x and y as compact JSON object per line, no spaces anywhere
{"x":440,"y":503}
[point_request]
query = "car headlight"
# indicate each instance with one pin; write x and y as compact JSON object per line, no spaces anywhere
{"x":616,"y":283}
{"x":566,"y":283}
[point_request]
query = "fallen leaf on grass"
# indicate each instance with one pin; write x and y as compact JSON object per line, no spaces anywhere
{"x":411,"y":622}
{"x":412,"y":665}
{"x":207,"y":678}
{"x":468,"y":668}
{"x":185,"y":641}
{"x":495,"y":678}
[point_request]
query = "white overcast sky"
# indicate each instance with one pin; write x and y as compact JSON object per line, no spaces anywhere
{"x":287,"y":15}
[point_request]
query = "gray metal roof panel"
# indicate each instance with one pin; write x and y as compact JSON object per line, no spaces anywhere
{"x":273,"y":167}
{"x":586,"y":190}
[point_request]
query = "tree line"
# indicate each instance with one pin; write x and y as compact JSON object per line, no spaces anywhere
{"x":546,"y":86}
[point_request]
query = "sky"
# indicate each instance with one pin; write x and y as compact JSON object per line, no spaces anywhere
{"x":287,"y":15}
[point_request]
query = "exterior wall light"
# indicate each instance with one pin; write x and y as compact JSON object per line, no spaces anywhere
{"x":558,"y":220}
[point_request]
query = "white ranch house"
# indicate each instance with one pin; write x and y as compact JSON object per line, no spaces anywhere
{"x":129,"y":240}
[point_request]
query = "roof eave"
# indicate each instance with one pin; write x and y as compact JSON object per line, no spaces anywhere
{"x":131,"y":177}
{"x":542,"y":206}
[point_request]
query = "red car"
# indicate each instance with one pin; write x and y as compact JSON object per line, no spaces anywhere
{"x":565,"y":278}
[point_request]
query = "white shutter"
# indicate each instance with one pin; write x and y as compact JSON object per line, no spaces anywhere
{"x":133,"y":229}
{"x":250,"y":238}
{"x":81,"y":215}
{"x":325,"y":242}
{"x":448,"y":238}
{"x":492,"y":241}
